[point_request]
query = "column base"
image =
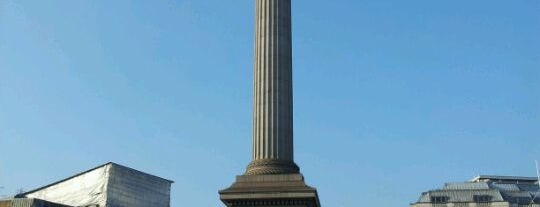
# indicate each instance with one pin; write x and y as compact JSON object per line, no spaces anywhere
{"x":270,"y":166}
{"x":283,"y":190}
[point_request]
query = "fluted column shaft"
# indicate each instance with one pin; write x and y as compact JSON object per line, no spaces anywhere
{"x":272,"y":104}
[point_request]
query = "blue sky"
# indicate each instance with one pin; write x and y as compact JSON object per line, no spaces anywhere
{"x":392,"y":98}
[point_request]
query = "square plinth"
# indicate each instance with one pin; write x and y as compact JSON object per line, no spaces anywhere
{"x":282,"y":190}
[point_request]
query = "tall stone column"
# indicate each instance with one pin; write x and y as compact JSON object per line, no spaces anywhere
{"x":272,"y":179}
{"x":272,"y":102}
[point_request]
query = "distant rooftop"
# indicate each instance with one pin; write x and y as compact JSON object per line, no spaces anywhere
{"x":513,"y":190}
{"x":505,"y":179}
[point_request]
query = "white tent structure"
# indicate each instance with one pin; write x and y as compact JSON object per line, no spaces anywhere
{"x":108,"y":185}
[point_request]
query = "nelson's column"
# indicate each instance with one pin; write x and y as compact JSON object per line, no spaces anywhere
{"x":272,"y":179}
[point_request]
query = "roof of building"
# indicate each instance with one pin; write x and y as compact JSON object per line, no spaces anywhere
{"x":504,"y":178}
{"x":512,"y":189}
{"x":84,"y":172}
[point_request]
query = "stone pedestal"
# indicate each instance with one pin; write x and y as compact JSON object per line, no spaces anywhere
{"x":280,"y":190}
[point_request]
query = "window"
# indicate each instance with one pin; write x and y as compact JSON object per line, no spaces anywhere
{"x":537,"y":199}
{"x":439,"y":199}
{"x":461,"y":204}
{"x":481,"y":198}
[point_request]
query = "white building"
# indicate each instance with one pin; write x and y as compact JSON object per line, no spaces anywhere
{"x":484,"y":190}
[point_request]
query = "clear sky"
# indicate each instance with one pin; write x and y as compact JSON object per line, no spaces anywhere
{"x":392,"y":97}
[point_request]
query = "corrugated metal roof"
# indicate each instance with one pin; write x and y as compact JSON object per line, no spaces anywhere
{"x":520,"y":194}
{"x":505,"y":187}
{"x":466,"y":186}
{"x":530,"y":188}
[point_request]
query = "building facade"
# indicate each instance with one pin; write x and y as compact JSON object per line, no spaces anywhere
{"x":484,"y":191}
